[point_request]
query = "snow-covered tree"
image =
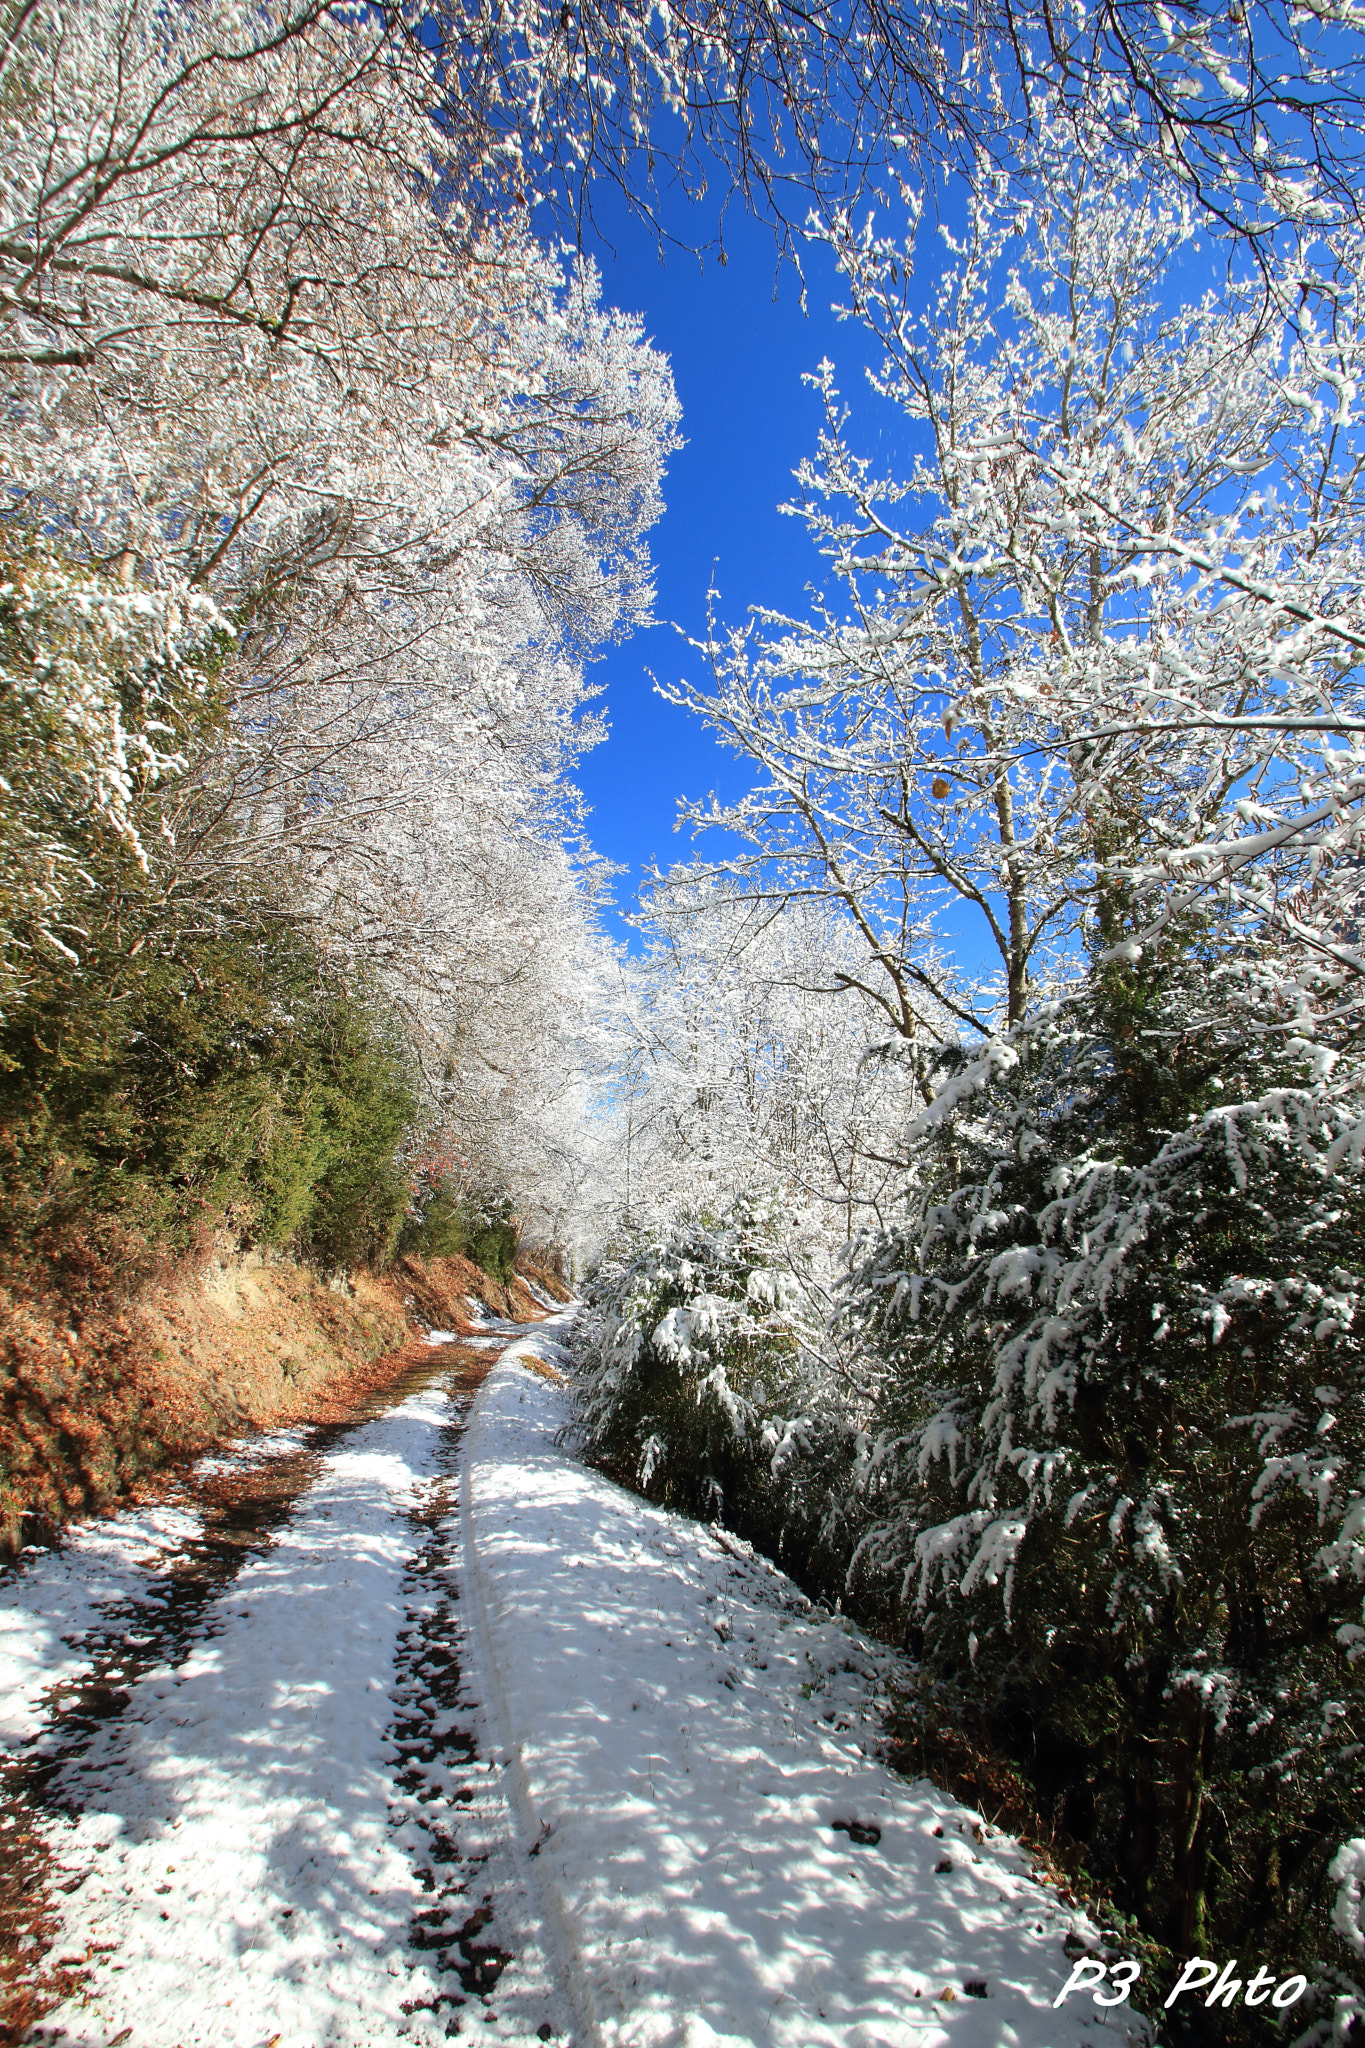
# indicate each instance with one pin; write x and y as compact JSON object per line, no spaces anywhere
{"x":1117,"y":1475}
{"x":751,"y":1104}
{"x":1086,"y":700}
{"x":104,"y":692}
{"x":1257,"y":111}
{"x":704,"y":1376}
{"x":261,"y":356}
{"x":745,"y":1063}
{"x":1105,"y":624}
{"x":395,"y":454}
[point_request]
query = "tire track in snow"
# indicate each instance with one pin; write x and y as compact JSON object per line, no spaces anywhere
{"x":85,"y":1806}
{"x":474,"y":1917}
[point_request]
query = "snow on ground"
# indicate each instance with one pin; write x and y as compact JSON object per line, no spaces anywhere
{"x":64,"y":1595}
{"x":720,"y":1857}
{"x":298,"y":1829}
{"x":49,"y":1609}
{"x":253,"y":1852}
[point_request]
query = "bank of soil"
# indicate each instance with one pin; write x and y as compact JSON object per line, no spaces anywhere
{"x":96,"y":1400}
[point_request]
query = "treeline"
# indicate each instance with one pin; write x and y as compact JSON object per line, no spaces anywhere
{"x":995,"y":1108}
{"x":185,"y":1048}
{"x":205,"y":1063}
{"x":321,"y":483}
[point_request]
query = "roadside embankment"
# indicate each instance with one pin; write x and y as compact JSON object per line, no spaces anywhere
{"x":98,"y":1394}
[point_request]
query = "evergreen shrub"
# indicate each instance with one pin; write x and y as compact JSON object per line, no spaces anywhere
{"x":217,"y":1074}
{"x":698,"y":1384}
{"x":453,"y":1221}
{"x":493,"y":1246}
{"x":176,"y":1046}
{"x":1115,"y":1487}
{"x":1087,"y":1434}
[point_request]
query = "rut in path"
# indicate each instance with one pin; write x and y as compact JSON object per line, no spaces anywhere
{"x":452,"y":1927}
{"x":242,"y":1510}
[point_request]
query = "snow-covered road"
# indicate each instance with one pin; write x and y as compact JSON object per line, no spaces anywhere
{"x":417,"y":1728}
{"x":251,"y":1765}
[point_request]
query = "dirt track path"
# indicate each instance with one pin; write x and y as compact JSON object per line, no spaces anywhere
{"x":253,"y":1808}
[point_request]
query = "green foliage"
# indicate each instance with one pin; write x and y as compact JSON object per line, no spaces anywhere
{"x":1121,"y":1451}
{"x":493,"y":1246}
{"x":698,"y":1384}
{"x":176,"y":1047}
{"x":452,"y":1221}
{"x":216,"y":1072}
{"x":442,"y":1226}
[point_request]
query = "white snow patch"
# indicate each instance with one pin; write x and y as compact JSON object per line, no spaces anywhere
{"x":685,"y":1733}
{"x":54,"y":1597}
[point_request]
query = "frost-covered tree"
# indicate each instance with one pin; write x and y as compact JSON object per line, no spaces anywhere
{"x":1086,"y":698}
{"x":746,"y":1063}
{"x":103,"y":693}
{"x":705,"y":1378}
{"x":511,"y":1041}
{"x":261,"y":358}
{"x":751,"y":1104}
{"x":1257,"y":112}
{"x":432,"y":471}
{"x":1103,"y":624}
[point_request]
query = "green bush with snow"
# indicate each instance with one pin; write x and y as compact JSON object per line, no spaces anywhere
{"x":699,"y":1358}
{"x":1116,"y":1484}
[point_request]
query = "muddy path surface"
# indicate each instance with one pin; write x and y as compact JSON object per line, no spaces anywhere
{"x":251,"y":1804}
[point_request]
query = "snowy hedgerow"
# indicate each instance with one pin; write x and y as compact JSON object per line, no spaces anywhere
{"x":1119,"y":1475}
{"x":700,"y":1378}
{"x":257,"y":348}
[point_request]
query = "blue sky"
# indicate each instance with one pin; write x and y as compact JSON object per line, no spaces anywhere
{"x":739,"y":344}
